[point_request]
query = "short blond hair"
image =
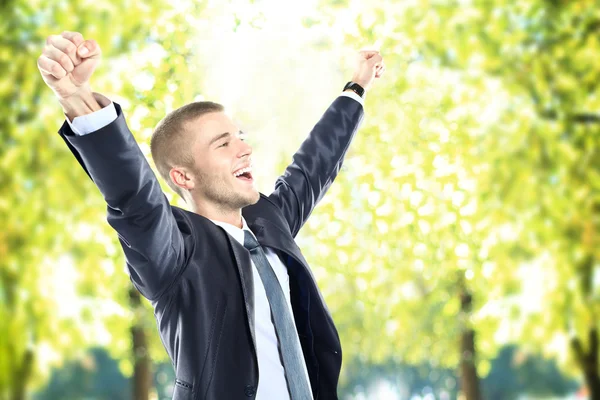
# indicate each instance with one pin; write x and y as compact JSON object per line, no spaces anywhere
{"x":170,"y":145}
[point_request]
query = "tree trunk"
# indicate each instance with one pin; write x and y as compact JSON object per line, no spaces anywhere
{"x":588,"y":362}
{"x":593,"y":383}
{"x":23,"y":373}
{"x":18,"y":366}
{"x":469,"y":381}
{"x":142,"y":377}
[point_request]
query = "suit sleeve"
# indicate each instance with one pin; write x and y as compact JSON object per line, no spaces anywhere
{"x":137,"y":208}
{"x":317,"y":162}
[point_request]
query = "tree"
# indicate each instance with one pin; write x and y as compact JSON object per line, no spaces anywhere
{"x":547,"y":172}
{"x":61,"y":281}
{"x":533,"y":166}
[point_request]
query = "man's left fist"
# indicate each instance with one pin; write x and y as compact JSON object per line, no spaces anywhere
{"x":369,"y":66}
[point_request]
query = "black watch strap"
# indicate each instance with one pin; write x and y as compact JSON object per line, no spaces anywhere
{"x":356,"y":88}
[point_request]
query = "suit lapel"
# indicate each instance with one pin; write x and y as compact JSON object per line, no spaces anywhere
{"x":269,"y":235}
{"x":242,"y":262}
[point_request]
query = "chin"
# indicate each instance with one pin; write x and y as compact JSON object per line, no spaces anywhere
{"x":254,"y":198}
{"x":246,"y":199}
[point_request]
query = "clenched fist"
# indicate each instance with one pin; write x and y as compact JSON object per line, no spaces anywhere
{"x":66,"y":64}
{"x":369,"y":66}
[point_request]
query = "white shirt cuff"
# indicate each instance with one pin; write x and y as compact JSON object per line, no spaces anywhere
{"x":89,"y":123}
{"x":354,"y":96}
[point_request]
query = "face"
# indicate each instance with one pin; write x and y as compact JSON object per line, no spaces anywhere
{"x":222,"y":173}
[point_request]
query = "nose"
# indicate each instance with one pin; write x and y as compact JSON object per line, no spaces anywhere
{"x":245,"y":149}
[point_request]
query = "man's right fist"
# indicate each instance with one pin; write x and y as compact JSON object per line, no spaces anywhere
{"x":67,"y":63}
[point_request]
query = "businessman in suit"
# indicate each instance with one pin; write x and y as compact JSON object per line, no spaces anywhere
{"x":237,"y":307}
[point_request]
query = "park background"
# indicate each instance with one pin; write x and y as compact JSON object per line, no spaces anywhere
{"x":458,"y":249}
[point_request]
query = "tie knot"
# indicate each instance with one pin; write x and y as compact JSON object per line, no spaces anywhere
{"x":249,"y":241}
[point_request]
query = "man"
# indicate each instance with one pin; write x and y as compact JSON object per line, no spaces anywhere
{"x":236,"y":305}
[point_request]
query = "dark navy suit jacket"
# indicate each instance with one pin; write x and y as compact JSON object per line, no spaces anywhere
{"x":199,"y":279}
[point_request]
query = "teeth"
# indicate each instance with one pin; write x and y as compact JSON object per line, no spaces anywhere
{"x":241,"y":171}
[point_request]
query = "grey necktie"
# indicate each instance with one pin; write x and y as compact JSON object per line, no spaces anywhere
{"x":289,"y":344}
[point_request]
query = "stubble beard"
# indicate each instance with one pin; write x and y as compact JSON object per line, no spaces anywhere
{"x":224,"y":195}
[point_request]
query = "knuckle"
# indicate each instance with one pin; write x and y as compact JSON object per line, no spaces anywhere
{"x":57,"y":70}
{"x":64,"y":60}
{"x":70,"y":49}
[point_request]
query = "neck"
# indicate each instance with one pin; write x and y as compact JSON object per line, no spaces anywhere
{"x":233,"y":217}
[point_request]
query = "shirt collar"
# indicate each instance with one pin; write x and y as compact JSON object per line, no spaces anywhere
{"x":234,"y":231}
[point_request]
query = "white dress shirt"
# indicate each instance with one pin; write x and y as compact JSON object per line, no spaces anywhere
{"x":271,"y":380}
{"x":272,"y":384}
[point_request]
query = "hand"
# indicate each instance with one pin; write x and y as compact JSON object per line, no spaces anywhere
{"x":66,"y":64}
{"x":369,"y":66}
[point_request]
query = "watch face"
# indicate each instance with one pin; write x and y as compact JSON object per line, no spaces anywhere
{"x":358,"y":89}
{"x":355,"y":87}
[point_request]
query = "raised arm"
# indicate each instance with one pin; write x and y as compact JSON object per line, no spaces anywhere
{"x":318,"y":160}
{"x":137,"y":208}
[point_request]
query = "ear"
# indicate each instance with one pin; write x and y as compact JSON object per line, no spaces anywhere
{"x":182,"y":178}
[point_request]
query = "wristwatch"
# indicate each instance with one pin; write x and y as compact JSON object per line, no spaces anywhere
{"x":356,"y":88}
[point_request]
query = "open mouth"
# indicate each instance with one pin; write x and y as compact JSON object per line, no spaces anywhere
{"x":244,"y":174}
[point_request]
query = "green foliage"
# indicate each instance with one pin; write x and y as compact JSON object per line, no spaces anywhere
{"x":478,"y":170}
{"x":62,"y":280}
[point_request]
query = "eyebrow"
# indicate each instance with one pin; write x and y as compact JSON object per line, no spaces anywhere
{"x":221,"y":136}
